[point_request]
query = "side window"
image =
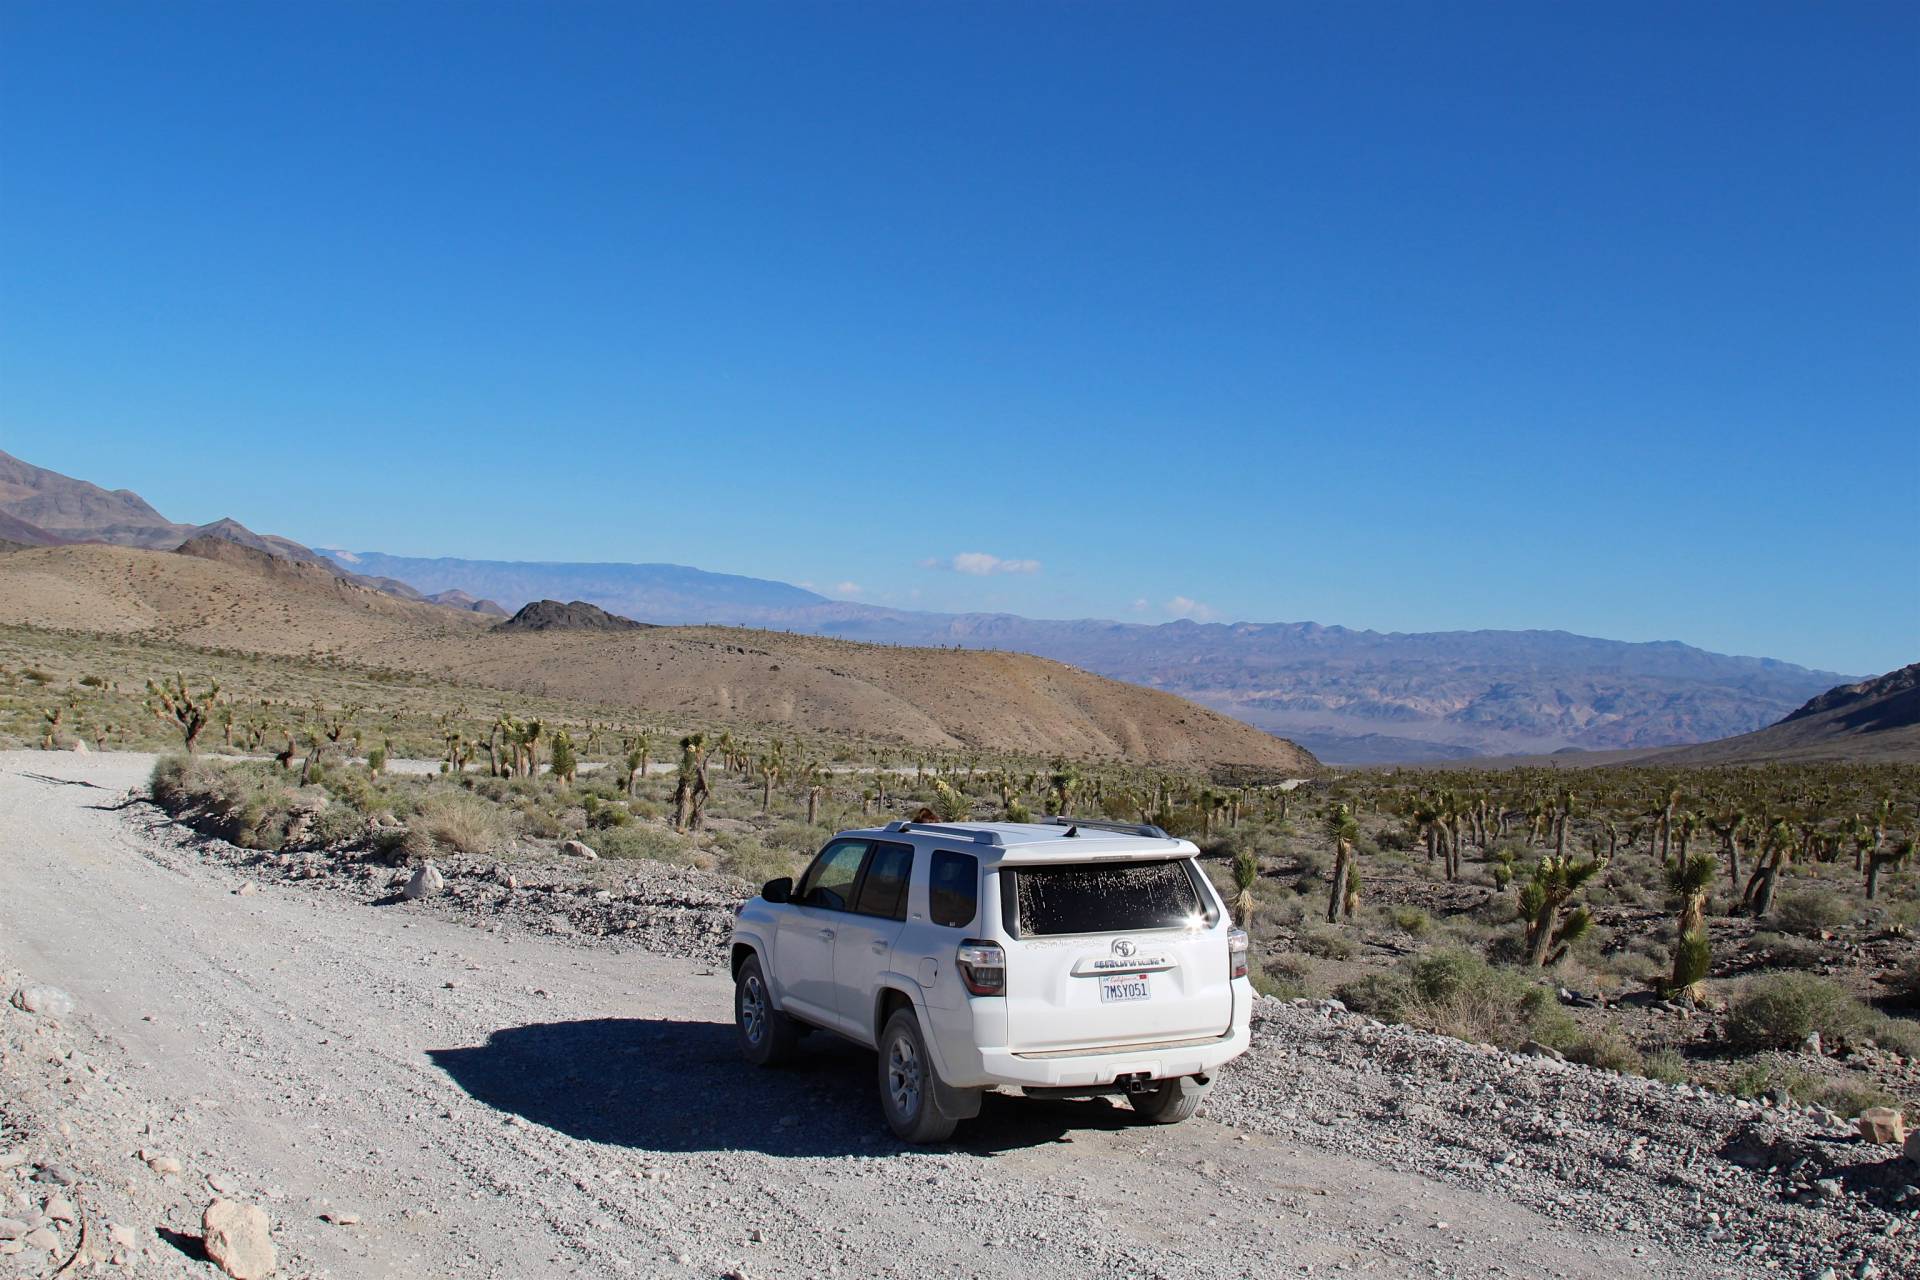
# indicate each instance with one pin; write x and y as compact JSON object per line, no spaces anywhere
{"x":829,"y":881}
{"x":884,"y":891}
{"x":953,"y":888}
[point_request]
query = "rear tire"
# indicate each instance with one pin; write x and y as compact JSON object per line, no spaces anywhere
{"x":768,"y":1037}
{"x":909,"y":1089}
{"x":1172,"y":1102}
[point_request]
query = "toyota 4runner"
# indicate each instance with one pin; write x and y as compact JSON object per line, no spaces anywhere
{"x":1067,"y":958}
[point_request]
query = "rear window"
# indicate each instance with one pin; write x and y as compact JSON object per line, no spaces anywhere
{"x":953,"y":888}
{"x":1111,"y":897}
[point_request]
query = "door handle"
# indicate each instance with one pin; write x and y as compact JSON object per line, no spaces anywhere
{"x":826,"y":935}
{"x":879,"y":947}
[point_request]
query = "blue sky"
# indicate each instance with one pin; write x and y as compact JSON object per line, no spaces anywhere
{"x":1410,"y":316}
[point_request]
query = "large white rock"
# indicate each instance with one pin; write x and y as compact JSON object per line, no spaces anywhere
{"x":425,"y":882}
{"x":239,"y":1239}
{"x":49,"y":1002}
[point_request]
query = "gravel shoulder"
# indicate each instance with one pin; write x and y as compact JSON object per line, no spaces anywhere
{"x":492,"y":1088}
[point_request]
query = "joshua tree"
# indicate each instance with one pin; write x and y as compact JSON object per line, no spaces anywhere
{"x":566,"y":766}
{"x":1246,"y":874}
{"x":771,"y":767}
{"x":1883,"y":857}
{"x":814,"y":774}
{"x":948,"y":802}
{"x":1728,"y":827}
{"x":529,"y":745}
{"x":50,"y":736}
{"x":1061,"y":784}
{"x":1342,"y":830}
{"x":1690,"y":882}
{"x":1666,"y":824}
{"x":690,"y":792}
{"x":631,"y":769}
{"x":187,"y":710}
{"x":1554,"y":882}
{"x":1774,"y":857}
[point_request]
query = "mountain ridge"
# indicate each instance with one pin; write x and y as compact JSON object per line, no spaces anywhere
{"x":1357,"y":695}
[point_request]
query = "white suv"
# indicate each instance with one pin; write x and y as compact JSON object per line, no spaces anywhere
{"x":1067,"y":959}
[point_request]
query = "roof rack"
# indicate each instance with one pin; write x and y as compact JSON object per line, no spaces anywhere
{"x":1073,"y":825}
{"x":973,"y":834}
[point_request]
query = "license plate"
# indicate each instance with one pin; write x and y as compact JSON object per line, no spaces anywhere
{"x":1119,"y":987}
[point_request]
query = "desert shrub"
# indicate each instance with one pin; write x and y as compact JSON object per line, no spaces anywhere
{"x":1607,"y":1049}
{"x":1808,"y":912}
{"x":1327,"y":944}
{"x":753,"y":861}
{"x":338,"y":824}
{"x":1849,"y":1098}
{"x":1901,"y":1035}
{"x":636,"y":841}
{"x":1410,"y":920}
{"x":603,"y":814}
{"x":538,"y":822}
{"x":1386,"y":996}
{"x":1457,"y":993}
{"x":1781,"y":1009}
{"x":253,"y":806}
{"x":1284,"y":977}
{"x":1664,"y":1065}
{"x":796,"y":837}
{"x":460,"y":821}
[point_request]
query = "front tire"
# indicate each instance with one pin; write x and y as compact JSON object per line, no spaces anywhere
{"x":909,"y":1090}
{"x":1172,"y":1102}
{"x":768,"y":1037}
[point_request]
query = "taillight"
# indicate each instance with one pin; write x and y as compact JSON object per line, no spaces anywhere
{"x":983,"y":967}
{"x":1237,"y":952}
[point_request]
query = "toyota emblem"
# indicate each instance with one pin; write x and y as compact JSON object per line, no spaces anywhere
{"x":1122,"y":947}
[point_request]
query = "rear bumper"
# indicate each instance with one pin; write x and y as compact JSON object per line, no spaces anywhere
{"x":966,"y":1067}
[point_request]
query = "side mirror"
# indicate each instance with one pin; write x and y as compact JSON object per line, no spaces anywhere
{"x":780,"y":890}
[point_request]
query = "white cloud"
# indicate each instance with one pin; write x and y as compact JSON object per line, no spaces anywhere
{"x":1188,"y":607}
{"x":846,"y":588}
{"x":1141,"y":605}
{"x":980,"y":565}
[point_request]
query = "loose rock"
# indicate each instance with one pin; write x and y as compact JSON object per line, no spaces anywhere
{"x":48,"y":1002}
{"x":425,"y":882}
{"x":576,"y":849}
{"x":1882,"y":1124}
{"x":239,"y":1239}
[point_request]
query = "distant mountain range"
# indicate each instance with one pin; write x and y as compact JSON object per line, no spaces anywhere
{"x":1351,"y":697}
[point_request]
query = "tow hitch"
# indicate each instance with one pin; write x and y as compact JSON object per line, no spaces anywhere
{"x":1137,"y":1082}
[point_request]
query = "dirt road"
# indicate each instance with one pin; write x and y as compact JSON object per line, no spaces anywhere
{"x":492,"y":1103}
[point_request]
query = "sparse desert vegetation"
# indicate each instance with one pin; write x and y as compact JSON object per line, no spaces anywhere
{"x":1686,"y":923}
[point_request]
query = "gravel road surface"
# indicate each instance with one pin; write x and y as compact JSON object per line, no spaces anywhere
{"x":407,"y":1092}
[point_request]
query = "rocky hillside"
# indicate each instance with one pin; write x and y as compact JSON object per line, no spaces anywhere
{"x":551,"y":615}
{"x":79,"y":510}
{"x":1873,"y":720}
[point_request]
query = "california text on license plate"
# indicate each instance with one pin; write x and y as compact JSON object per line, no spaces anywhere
{"x":1129,"y":986}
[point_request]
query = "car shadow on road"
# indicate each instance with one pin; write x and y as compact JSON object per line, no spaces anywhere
{"x":657,"y":1085}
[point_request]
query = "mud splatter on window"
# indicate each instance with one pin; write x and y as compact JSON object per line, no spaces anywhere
{"x":1107,"y":898}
